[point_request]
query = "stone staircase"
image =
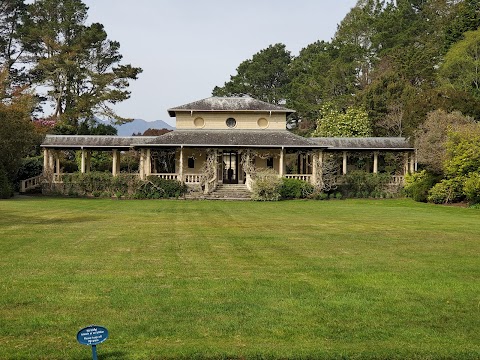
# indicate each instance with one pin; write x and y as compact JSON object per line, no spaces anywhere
{"x":230,"y":192}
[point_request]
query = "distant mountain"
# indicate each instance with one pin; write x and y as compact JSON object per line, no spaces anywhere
{"x":139,"y":126}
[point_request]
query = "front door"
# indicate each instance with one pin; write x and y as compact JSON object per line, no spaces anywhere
{"x":230,"y":167}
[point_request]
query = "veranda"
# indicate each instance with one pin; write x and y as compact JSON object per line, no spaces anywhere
{"x":208,"y":167}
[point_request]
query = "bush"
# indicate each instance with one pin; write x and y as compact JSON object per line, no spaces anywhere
{"x":266,"y":186}
{"x":30,"y":167}
{"x":157,"y":188}
{"x":100,"y":184}
{"x":295,"y":189}
{"x":447,"y":191}
{"x":417,"y":185}
{"x":471,"y":188}
{"x":93,"y":183}
{"x":320,"y":196}
{"x":362,"y":184}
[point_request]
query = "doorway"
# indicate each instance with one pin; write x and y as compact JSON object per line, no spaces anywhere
{"x":230,"y":167}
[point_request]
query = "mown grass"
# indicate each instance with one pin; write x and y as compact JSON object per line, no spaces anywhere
{"x":355,"y":279}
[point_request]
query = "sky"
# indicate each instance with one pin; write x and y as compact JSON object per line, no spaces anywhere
{"x":187,"y":47}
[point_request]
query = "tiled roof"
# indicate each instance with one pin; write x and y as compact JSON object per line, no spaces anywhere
{"x":224,"y":138}
{"x":365,"y":143}
{"x":244,"y":103}
{"x":93,"y":141}
{"x":254,"y":138}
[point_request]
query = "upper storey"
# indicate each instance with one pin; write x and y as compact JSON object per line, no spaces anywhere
{"x":223,"y":113}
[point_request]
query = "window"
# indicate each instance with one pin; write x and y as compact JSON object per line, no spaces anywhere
{"x":191,"y":163}
{"x":270,"y":163}
{"x":262,"y":123}
{"x":199,"y":122}
{"x":231,"y":122}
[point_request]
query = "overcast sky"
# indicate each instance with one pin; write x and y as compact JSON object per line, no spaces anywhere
{"x":187,"y":47}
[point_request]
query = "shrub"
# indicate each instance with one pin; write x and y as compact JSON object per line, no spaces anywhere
{"x":471,"y":188}
{"x":93,"y":183}
{"x":320,"y":196}
{"x":295,"y":189}
{"x":157,"y":188}
{"x":362,"y":184}
{"x":266,"y":186}
{"x":30,"y":167}
{"x":6,"y":189}
{"x":447,"y":191}
{"x":417,"y":185}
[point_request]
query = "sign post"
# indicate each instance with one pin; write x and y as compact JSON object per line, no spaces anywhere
{"x":92,"y":335}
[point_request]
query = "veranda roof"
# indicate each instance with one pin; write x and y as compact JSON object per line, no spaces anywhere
{"x":364,"y":143}
{"x":231,"y":138}
{"x":225,"y":138}
{"x":229,"y":104}
{"x":93,"y":141}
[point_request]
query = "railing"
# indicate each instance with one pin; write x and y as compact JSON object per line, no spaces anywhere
{"x":30,"y":183}
{"x":188,"y":178}
{"x":192,"y":178}
{"x":397,"y":180}
{"x":304,"y":177}
{"x":166,"y":176}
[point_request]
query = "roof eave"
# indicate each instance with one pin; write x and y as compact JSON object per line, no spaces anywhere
{"x":172,"y":112}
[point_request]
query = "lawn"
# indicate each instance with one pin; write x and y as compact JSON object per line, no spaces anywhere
{"x":350,"y":279}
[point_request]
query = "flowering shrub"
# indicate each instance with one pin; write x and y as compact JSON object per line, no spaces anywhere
{"x":266,"y":186}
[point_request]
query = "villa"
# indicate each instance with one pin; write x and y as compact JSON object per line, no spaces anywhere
{"x":224,"y":141}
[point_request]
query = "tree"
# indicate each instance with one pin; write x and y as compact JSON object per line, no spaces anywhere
{"x":466,"y":18}
{"x":77,"y":63}
{"x":463,"y":151}
{"x":431,"y":138}
{"x":461,"y":167}
{"x":461,"y":68}
{"x":356,"y":31}
{"x":351,"y":123}
{"x":11,"y":49}
{"x":264,"y":76}
{"x":323,"y":72}
{"x":17,"y":133}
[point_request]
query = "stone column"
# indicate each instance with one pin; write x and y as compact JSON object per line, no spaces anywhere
{"x":115,"y":162}
{"x":412,"y":163}
{"x":375,"y":162}
{"x":82,"y":167}
{"x":320,"y":172}
{"x":314,"y":168}
{"x":180,"y":165}
{"x":281,"y":165}
{"x":51,"y":160}
{"x":57,"y":166}
{"x":148,"y":163}
{"x":344,"y":167}
{"x":141,"y":166}
{"x":45,"y":161}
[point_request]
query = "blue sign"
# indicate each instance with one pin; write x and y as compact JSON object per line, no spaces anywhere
{"x":92,"y":335}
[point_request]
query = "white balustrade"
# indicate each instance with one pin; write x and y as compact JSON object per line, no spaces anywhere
{"x":192,"y":178}
{"x":30,"y":183}
{"x":304,"y":177}
{"x":397,"y":180}
{"x":166,"y":176}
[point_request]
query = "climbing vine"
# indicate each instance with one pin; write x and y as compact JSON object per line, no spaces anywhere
{"x":208,"y":172}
